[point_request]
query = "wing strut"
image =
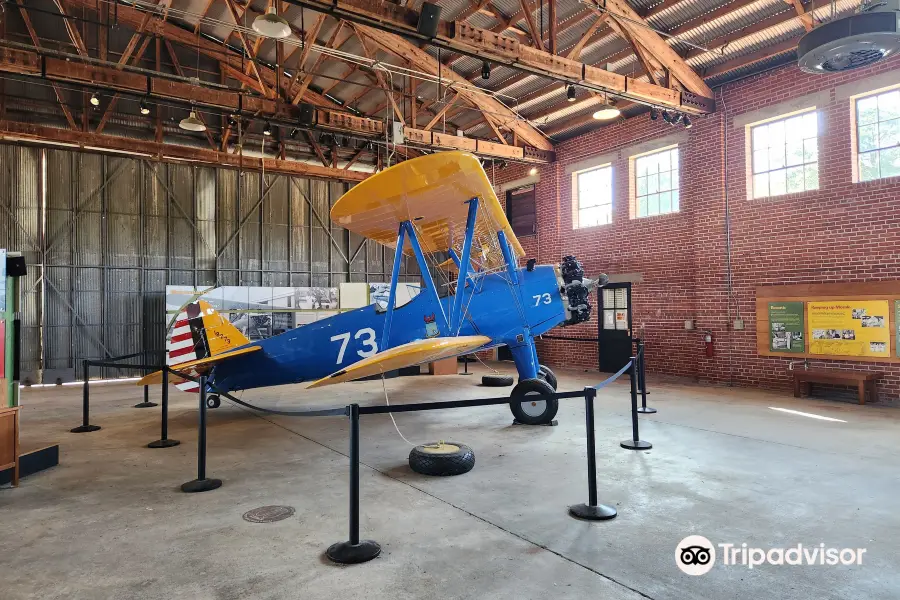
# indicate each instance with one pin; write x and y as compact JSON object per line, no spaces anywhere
{"x":407,"y":230}
{"x":456,"y":310}
{"x":395,"y":274}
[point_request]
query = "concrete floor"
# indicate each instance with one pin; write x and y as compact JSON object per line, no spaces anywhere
{"x":110,"y":522}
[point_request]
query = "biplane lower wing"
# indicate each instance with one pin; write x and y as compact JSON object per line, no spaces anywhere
{"x":405,"y":355}
{"x":199,"y":366}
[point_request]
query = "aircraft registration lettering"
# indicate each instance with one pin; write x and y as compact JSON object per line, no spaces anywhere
{"x":368,"y":342}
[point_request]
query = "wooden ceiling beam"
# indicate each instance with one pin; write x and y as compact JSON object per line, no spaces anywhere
{"x":304,"y":55}
{"x":388,"y":90}
{"x":575,"y":52}
{"x":437,"y":116}
{"x":248,"y":49}
{"x":131,"y":17}
{"x":528,"y":11}
{"x":71,"y":29}
{"x":29,"y":26}
{"x":423,"y":61}
{"x":805,"y":18}
{"x":628,"y":20}
{"x":28,"y":132}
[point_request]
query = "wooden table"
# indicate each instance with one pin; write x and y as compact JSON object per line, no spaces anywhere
{"x":9,"y":441}
{"x":863,"y":380}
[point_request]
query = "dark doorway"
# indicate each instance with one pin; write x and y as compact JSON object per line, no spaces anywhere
{"x":521,"y":211}
{"x":614,"y":327}
{"x":504,"y":353}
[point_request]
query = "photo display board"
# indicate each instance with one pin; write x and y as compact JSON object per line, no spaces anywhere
{"x":840,"y":321}
{"x":849,"y":328}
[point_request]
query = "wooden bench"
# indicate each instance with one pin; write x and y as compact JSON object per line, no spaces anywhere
{"x":863,"y":380}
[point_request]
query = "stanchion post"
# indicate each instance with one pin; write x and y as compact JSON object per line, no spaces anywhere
{"x":635,"y":443}
{"x":201,"y":484}
{"x":164,"y":441}
{"x":592,"y":511}
{"x":642,"y":378}
{"x":86,"y":402}
{"x":146,"y":403}
{"x":353,"y":551}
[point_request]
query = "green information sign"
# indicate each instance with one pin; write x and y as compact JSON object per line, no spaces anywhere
{"x":786,"y":327}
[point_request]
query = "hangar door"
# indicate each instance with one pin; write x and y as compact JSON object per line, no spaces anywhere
{"x":614,"y":334}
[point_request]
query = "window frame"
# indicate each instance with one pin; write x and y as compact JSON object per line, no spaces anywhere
{"x":854,"y":135}
{"x":634,"y":198}
{"x":749,"y":150}
{"x":576,"y":199}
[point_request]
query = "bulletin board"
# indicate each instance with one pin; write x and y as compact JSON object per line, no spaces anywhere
{"x":838,"y":321}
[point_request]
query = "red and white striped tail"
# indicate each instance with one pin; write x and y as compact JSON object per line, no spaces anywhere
{"x":181,"y":348}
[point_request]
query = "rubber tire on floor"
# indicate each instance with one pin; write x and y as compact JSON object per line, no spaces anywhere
{"x":443,"y":464}
{"x":497,"y":380}
{"x":213,"y":401}
{"x":521,"y":413}
{"x":549,"y":376}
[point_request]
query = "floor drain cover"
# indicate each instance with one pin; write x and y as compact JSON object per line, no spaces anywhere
{"x":268,"y":514}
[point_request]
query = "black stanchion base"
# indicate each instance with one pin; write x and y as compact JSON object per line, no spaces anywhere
{"x":167,"y":443}
{"x":552,"y":423}
{"x":146,"y":405}
{"x":346,"y":553}
{"x":646,"y":410}
{"x":85,"y":428}
{"x":465,"y":373}
{"x":601,"y":512}
{"x":636,"y":445}
{"x":201,"y":485}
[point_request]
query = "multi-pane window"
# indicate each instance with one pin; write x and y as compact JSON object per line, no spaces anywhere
{"x":594,"y":195}
{"x":878,"y":135}
{"x":656,"y":183}
{"x":785,"y":156}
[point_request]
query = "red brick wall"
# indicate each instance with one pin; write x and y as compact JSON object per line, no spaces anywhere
{"x":842,"y":232}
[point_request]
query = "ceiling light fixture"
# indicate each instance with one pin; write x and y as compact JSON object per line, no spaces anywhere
{"x":145,"y":107}
{"x":267,"y":130}
{"x":687,"y":122}
{"x":272,"y":25}
{"x":607,"y":112}
{"x":654,"y":114}
{"x":677,"y":119}
{"x":485,"y":70}
{"x":667,"y":117}
{"x":570,"y":93}
{"x":95,"y":99}
{"x":532,"y":171}
{"x":192,"y":123}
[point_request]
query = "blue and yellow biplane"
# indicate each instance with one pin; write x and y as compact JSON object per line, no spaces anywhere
{"x":437,"y":204}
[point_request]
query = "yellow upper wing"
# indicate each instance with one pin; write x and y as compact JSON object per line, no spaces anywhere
{"x":431,"y":192}
{"x":201,"y":365}
{"x":406,"y":355}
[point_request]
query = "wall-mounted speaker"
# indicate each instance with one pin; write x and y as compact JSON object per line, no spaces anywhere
{"x":429,"y":17}
{"x":307,"y":114}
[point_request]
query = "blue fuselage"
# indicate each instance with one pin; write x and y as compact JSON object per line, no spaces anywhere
{"x":502,"y":310}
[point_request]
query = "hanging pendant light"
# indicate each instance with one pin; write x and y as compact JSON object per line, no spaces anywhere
{"x":606,"y":111}
{"x":192,"y":123}
{"x":272,"y":25}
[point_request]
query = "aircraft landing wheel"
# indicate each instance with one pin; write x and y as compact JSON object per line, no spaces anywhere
{"x":534,"y":410}
{"x":442,"y":459}
{"x":547,"y":375}
{"x":213,"y":401}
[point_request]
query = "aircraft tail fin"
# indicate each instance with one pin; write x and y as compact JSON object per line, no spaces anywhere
{"x":201,"y":332}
